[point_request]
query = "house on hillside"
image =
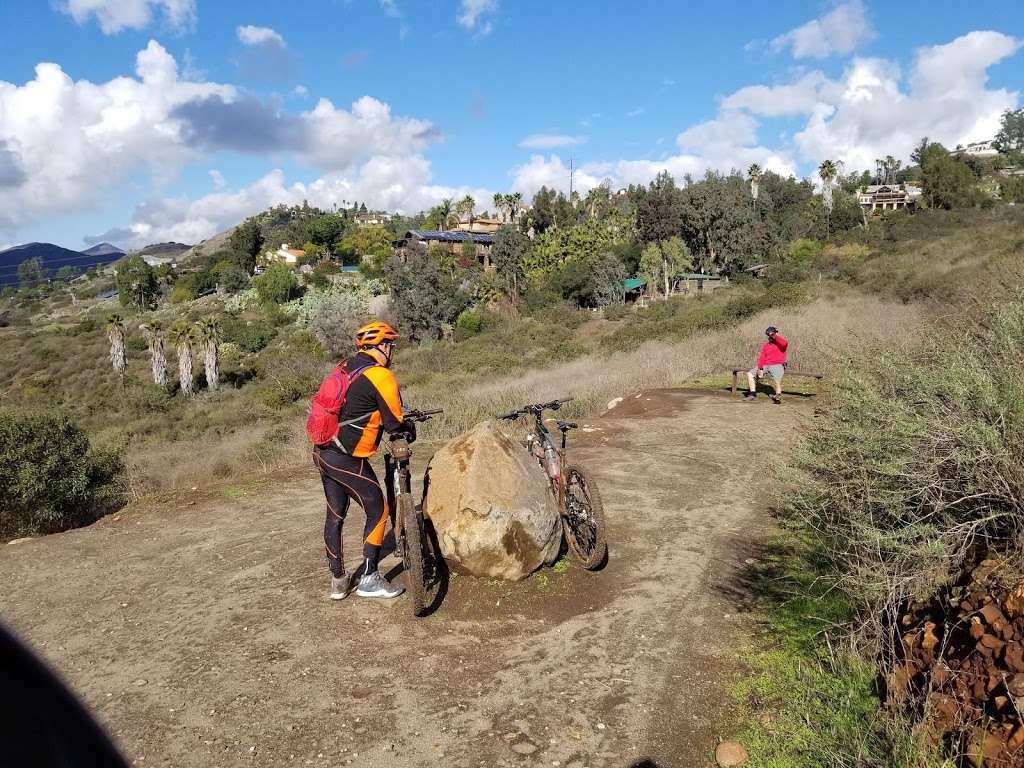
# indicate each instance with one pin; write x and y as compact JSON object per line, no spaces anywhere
{"x":372,"y":218}
{"x":978,"y":149}
{"x":284,"y":255}
{"x":479,"y":226}
{"x":453,"y":241}
{"x":697,"y":283}
{"x":160,"y":261}
{"x":888,"y":197}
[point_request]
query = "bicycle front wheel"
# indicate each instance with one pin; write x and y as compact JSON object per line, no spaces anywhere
{"x":583,"y":518}
{"x":424,"y":566}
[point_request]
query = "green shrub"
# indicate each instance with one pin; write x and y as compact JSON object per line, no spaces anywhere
{"x":617,"y":312}
{"x":277,"y":285}
{"x":920,"y":463}
{"x":51,"y":478}
{"x":250,"y":336}
{"x":287,"y":374}
{"x":468,"y":323}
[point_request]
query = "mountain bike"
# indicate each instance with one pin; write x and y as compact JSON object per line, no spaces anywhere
{"x":415,"y":539}
{"x":575,"y":490}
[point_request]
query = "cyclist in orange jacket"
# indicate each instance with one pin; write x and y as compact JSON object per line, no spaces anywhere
{"x":373,"y":406}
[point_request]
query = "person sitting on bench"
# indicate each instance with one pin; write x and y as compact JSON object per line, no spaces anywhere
{"x":771,"y":361}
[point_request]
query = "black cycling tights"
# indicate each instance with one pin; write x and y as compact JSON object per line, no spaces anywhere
{"x":346,"y":477}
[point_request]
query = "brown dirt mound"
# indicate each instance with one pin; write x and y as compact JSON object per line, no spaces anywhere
{"x":961,"y":664}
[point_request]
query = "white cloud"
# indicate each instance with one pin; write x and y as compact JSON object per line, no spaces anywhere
{"x":250,"y":35}
{"x":840,"y":31}
{"x":636,"y":112}
{"x":219,"y":182}
{"x":550,"y":141}
{"x":472,"y":15}
{"x":114,"y":16}
{"x":800,"y":97}
{"x":63,"y":142}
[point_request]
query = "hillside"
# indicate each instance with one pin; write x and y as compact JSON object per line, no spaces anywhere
{"x":104,"y":249}
{"x":164,"y":249}
{"x":53,"y":257}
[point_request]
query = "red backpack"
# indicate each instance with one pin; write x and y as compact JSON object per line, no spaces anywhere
{"x":322,"y":424}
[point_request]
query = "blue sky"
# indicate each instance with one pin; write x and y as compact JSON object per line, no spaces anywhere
{"x":173,"y":119}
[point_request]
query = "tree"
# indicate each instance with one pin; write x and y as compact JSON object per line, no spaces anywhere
{"x":718,"y":223}
{"x":917,"y":156}
{"x":542,"y":214}
{"x":136,"y":283}
{"x":246,"y":242}
{"x":66,"y":274}
{"x":276,"y":286}
{"x":325,"y":231}
{"x":947,"y":182}
{"x":444,"y":212}
{"x":658,"y":210}
{"x":423,"y":297}
{"x":661,"y":261}
{"x":827,"y":171}
{"x":467,"y":253}
{"x":181,"y":337}
{"x":208,"y":335}
{"x":233,"y":279}
{"x":31,"y":273}
{"x":754,"y":174}
{"x":1011,"y":132}
{"x":115,"y":333}
{"x":465,"y":208}
{"x":507,"y":256}
{"x":154,"y":331}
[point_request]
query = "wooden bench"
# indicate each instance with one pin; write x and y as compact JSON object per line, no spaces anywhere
{"x":738,"y":369}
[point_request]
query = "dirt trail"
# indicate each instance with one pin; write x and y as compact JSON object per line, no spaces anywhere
{"x":202,"y":635}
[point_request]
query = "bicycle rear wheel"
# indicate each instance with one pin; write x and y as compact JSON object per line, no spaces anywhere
{"x":583,"y":518}
{"x":424,"y":566}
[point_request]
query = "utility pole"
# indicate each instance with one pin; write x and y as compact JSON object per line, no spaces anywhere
{"x":571,"y":171}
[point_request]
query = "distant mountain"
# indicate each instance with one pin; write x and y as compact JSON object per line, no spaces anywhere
{"x":103,"y":249}
{"x":53,"y":257}
{"x":164,"y":249}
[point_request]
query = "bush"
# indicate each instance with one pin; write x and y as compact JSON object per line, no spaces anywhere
{"x":333,"y":316}
{"x":251,"y":336}
{"x":51,"y":478}
{"x":289,"y":373}
{"x":468,"y":323}
{"x":276,"y":286}
{"x":920,"y":464}
{"x":233,"y":279}
{"x":617,"y":312}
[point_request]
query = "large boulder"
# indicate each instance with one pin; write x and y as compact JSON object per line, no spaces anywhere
{"x":490,"y":505}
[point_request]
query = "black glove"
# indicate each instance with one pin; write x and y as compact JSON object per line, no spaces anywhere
{"x":410,"y":431}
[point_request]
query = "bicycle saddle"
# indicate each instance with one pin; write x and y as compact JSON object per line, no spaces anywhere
{"x":565,"y":426}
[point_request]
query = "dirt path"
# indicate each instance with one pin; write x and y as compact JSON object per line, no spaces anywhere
{"x":201,"y":635}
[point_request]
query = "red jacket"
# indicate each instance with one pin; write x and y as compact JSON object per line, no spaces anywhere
{"x":773,"y":352}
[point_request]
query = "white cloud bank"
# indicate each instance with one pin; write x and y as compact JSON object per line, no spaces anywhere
{"x":840,"y":31}
{"x":64,"y":142}
{"x":113,"y":16}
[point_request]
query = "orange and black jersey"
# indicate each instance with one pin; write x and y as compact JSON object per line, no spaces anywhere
{"x":373,"y":405}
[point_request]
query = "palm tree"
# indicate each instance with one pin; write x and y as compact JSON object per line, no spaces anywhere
{"x":208,"y":334}
{"x":499,"y":202}
{"x":445,"y":210}
{"x":828,"y":171}
{"x":465,"y":207}
{"x":754,"y":174}
{"x":157,"y":352}
{"x":181,"y":336}
{"x":115,"y":332}
{"x":515,"y":204}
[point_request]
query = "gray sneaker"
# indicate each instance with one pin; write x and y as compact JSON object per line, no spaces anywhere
{"x":375,"y":585}
{"x":340,"y":587}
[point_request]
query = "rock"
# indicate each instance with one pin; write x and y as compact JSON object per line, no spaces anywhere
{"x":22,"y":540}
{"x":524,"y":747}
{"x":730,"y":754}
{"x":490,"y":505}
{"x":613,"y":403}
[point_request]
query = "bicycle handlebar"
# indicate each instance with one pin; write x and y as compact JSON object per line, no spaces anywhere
{"x":418,"y":415}
{"x":536,"y":409}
